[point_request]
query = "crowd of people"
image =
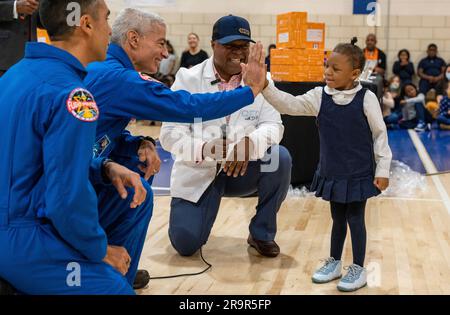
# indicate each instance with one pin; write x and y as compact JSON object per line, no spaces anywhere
{"x":405,"y":104}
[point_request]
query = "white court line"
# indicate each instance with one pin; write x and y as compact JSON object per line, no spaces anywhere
{"x":161,"y":188}
{"x":430,"y":167}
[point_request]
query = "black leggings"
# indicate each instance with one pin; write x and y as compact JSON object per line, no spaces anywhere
{"x":353,"y":214}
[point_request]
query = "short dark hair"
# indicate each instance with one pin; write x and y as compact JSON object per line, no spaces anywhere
{"x":403,"y":91}
{"x":54,"y":13}
{"x":353,"y":52}
{"x":432,"y":46}
{"x":403,"y":51}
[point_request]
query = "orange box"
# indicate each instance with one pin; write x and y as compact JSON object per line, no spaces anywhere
{"x":307,"y":57}
{"x":315,"y":36}
{"x":296,"y":73}
{"x":288,"y":56}
{"x":293,"y":31}
{"x":288,"y":26}
{"x":42,"y":36}
{"x":315,"y":78}
{"x":288,"y":73}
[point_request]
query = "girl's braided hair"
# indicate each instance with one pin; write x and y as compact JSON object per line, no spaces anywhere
{"x":353,"y":52}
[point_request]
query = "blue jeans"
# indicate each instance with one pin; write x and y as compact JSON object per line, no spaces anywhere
{"x":191,"y":223}
{"x":393,"y":118}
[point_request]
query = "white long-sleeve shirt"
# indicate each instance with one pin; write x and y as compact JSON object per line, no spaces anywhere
{"x":309,"y":105}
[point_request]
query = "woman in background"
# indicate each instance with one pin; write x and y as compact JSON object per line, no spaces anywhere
{"x":193,"y":55}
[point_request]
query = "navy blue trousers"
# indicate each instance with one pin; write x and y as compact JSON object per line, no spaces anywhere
{"x":191,"y":223}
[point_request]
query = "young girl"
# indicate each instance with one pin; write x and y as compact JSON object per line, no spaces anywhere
{"x":414,"y":113}
{"x":354,"y":155}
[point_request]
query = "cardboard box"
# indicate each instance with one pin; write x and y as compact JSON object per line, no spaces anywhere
{"x":293,"y":31}
{"x":307,"y":57}
{"x":288,"y":25}
{"x":296,"y":73}
{"x":315,"y":36}
{"x":42,"y":36}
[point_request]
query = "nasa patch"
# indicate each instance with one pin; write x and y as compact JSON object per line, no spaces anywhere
{"x":146,"y":77}
{"x":82,"y":106}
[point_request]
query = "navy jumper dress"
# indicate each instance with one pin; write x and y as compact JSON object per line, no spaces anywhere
{"x":347,"y":165}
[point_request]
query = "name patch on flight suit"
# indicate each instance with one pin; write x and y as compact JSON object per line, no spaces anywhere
{"x":82,"y":106}
{"x":101,"y":145}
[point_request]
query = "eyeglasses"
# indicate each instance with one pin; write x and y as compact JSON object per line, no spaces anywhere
{"x":237,"y":47}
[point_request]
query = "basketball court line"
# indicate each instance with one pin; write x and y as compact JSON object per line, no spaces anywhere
{"x":430,"y":167}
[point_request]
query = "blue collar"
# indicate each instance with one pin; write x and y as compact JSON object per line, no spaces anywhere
{"x":41,"y":50}
{"x":117,"y":52}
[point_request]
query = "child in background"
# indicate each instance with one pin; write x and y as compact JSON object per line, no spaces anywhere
{"x":391,"y":97}
{"x":431,"y":103}
{"x":444,"y":112}
{"x":403,"y":67}
{"x":354,"y":155}
{"x":414,"y":114}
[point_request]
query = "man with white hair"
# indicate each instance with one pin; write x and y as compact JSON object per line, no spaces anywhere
{"x":124,"y":90}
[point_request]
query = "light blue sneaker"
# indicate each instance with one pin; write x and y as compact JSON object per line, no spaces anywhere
{"x":421,"y":126}
{"x":330,"y":271}
{"x":355,"y":279}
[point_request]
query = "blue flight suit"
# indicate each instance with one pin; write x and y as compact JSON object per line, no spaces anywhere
{"x":122,"y":93}
{"x":51,"y":239}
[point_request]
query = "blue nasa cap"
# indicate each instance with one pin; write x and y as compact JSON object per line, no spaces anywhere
{"x":230,"y":28}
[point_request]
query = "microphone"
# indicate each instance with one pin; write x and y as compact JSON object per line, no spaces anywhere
{"x":223,"y":131}
{"x":216,"y":81}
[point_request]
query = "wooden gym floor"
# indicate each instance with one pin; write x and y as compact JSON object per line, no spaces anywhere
{"x":408,"y":248}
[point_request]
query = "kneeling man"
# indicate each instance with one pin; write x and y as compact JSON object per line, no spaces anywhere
{"x":208,"y":167}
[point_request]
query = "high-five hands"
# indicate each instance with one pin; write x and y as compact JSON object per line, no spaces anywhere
{"x":254,"y":72}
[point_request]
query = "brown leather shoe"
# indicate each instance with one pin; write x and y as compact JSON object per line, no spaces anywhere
{"x":265,"y":248}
